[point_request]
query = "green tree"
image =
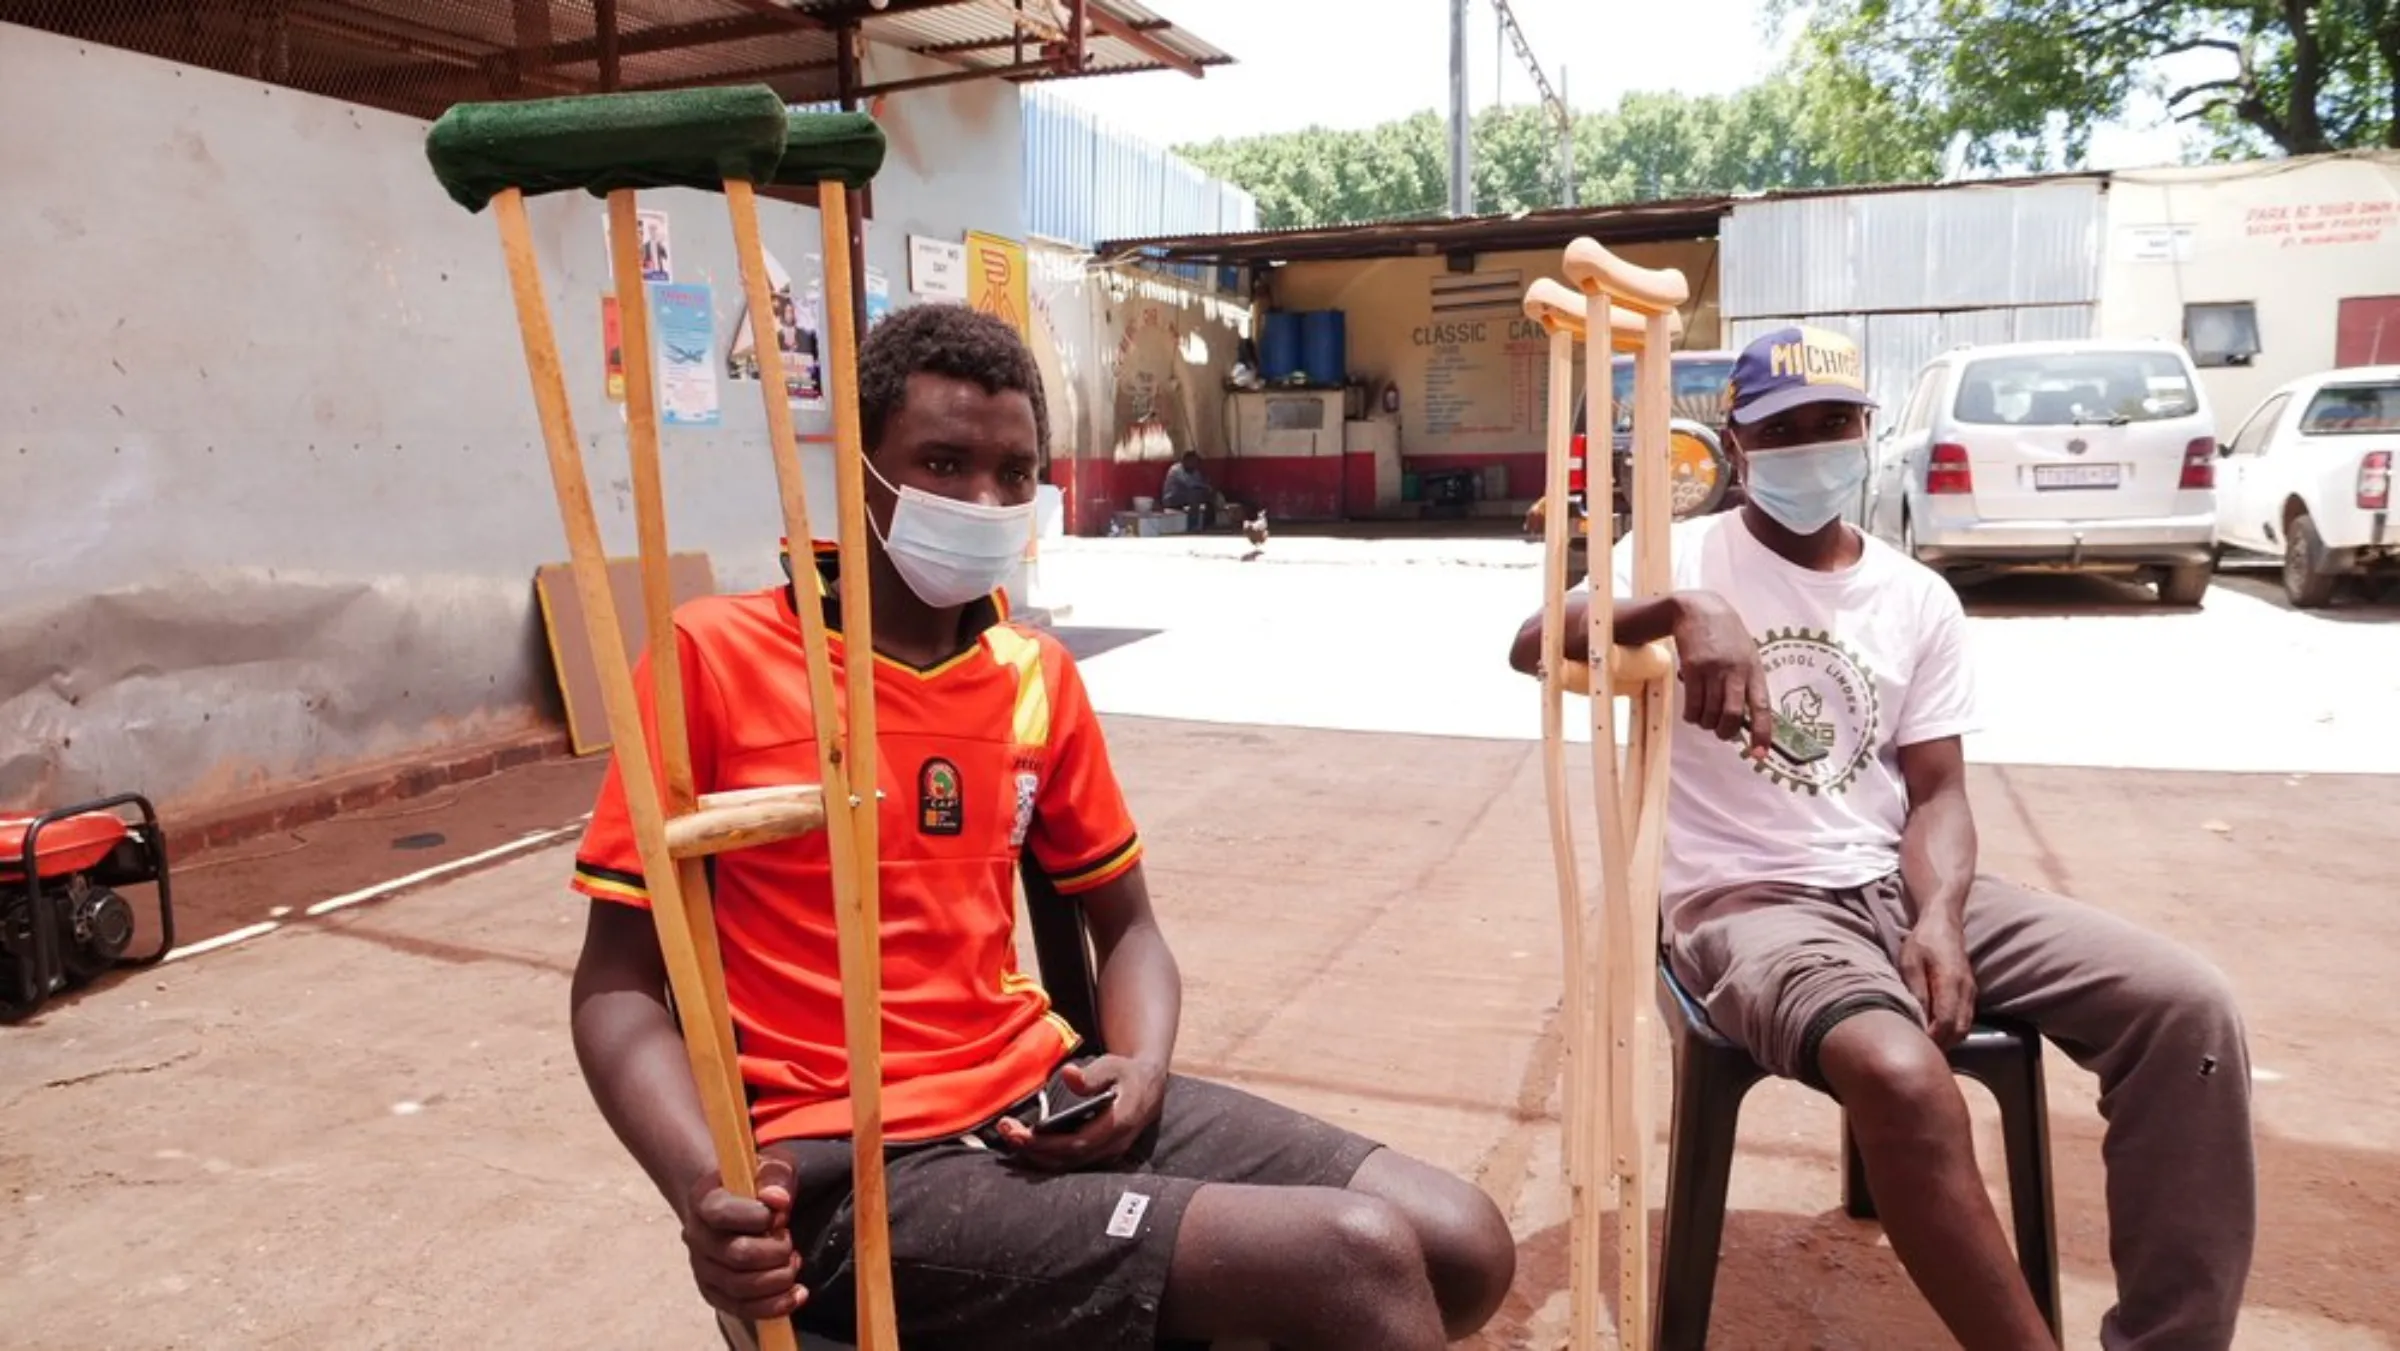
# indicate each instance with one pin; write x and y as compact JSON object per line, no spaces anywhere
{"x":2023,"y":83}
{"x":1817,"y":125}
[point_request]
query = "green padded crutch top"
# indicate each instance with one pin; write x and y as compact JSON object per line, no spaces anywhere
{"x":830,"y":147}
{"x":685,"y":138}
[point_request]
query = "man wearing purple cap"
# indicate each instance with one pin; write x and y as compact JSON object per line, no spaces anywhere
{"x":1821,"y":899}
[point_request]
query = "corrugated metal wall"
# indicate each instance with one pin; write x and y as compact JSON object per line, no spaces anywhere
{"x":1086,"y":181}
{"x":1909,"y":275}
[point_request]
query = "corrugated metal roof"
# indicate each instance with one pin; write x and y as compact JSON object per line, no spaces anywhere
{"x":420,"y":56}
{"x":1689,"y":218}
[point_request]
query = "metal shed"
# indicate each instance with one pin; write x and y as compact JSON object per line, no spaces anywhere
{"x":1909,"y":273}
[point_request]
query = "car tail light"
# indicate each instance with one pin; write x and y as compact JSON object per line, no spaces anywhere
{"x":2375,"y":481}
{"x":1947,"y":471}
{"x":2200,"y":464}
{"x":1575,"y":465}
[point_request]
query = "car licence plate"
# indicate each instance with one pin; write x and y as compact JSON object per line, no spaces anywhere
{"x":2074,"y":476}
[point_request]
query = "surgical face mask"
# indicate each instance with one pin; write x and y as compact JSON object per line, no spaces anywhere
{"x":1805,"y":487}
{"x":951,"y":552}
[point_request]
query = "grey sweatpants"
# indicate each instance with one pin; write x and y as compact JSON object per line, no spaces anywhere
{"x":1777,"y":966}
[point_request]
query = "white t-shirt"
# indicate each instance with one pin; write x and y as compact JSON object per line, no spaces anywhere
{"x":1859,"y":663}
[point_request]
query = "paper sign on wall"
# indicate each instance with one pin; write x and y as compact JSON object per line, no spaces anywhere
{"x":687,"y":382}
{"x":612,"y":347}
{"x":796,"y":337}
{"x":937,"y":268}
{"x":996,"y":280}
{"x":656,"y":249}
{"x":879,"y":296}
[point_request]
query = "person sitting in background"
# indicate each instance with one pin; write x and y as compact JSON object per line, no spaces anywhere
{"x":1189,"y":491}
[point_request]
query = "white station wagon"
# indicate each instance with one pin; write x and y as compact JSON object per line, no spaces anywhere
{"x":2095,"y":455}
{"x":2308,"y":479}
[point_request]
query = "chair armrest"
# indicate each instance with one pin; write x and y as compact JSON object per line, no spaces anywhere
{"x":1063,"y":946}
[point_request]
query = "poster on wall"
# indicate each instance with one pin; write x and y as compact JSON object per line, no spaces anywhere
{"x":657,"y":251}
{"x":795,"y":336}
{"x":879,"y":297}
{"x":687,"y":384}
{"x":612,"y":348}
{"x":996,"y":281}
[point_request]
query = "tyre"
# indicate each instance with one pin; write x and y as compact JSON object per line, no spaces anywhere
{"x":2305,"y":581}
{"x":2185,"y":583}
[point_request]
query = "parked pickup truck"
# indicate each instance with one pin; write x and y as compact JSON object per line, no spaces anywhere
{"x":2308,"y":479}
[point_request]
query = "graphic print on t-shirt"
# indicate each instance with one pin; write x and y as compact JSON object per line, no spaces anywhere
{"x":1826,"y":711}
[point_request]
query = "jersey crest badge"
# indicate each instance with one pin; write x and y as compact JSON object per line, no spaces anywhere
{"x":941,"y":807}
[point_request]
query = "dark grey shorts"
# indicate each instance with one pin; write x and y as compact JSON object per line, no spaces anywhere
{"x":991,"y":1256}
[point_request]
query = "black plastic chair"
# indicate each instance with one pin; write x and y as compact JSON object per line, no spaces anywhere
{"x":1712,"y":1076}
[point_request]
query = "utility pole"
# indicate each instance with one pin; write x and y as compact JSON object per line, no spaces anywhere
{"x":1566,"y":143}
{"x":1462,"y":182}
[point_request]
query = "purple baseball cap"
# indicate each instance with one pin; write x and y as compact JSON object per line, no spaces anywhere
{"x":1789,"y":367}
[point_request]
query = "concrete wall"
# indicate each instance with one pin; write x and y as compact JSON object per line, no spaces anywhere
{"x":275,"y":482}
{"x":1473,"y":389}
{"x":1136,"y":365}
{"x":2294,"y":237}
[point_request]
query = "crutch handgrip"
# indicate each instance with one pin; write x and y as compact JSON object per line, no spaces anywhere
{"x":1629,"y":668}
{"x":1645,"y":290}
{"x":746,"y":819}
{"x":1558,"y":308}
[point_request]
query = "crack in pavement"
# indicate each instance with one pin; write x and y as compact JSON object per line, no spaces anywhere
{"x":114,"y":1071}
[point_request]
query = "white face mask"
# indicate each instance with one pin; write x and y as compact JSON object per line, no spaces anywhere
{"x":1805,"y":487}
{"x":951,"y":552}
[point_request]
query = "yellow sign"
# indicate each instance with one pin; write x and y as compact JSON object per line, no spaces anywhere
{"x":996,"y":280}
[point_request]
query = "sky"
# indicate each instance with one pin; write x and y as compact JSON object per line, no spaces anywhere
{"x":1354,"y":63}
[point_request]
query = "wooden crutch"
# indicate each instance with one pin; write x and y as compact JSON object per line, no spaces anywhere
{"x":496,"y":154}
{"x":846,"y":758}
{"x":1607,"y":962}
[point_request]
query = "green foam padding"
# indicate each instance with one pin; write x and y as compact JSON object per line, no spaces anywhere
{"x":682,"y":138}
{"x":845,"y":148}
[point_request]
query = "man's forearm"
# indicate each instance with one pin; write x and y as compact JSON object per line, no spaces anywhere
{"x":1636,"y":622}
{"x":634,"y":1061}
{"x":1141,"y":997}
{"x":1937,"y":859}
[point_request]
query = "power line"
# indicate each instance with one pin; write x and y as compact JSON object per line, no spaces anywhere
{"x":1551,"y":102}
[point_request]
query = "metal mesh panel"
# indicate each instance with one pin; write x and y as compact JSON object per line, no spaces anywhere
{"x":418,"y":57}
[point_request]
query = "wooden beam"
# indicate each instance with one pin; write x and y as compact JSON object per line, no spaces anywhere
{"x":674,"y":37}
{"x":1110,"y":25}
{"x":604,"y":19}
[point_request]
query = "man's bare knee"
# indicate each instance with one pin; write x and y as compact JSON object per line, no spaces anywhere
{"x":1470,"y":1255}
{"x":1316,"y":1269}
{"x":1896,"y":1084}
{"x":1365,"y":1242}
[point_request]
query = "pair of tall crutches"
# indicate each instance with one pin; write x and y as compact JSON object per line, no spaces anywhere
{"x":1609,"y":958}
{"x":731,"y":140}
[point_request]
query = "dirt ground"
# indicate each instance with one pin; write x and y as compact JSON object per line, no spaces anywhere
{"x":366,"y":1129}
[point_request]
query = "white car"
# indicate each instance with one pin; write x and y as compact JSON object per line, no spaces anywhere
{"x":2308,"y":479}
{"x":2094,"y":455}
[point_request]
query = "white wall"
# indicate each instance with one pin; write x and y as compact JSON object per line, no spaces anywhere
{"x":2293,"y":236}
{"x":275,"y":485}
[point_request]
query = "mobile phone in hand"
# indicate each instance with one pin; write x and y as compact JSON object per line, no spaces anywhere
{"x":1075,"y":1114}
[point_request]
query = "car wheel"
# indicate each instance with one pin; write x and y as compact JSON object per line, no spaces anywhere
{"x":2185,"y":584}
{"x":2308,"y":586}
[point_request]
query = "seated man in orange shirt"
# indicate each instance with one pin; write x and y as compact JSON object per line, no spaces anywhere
{"x":1186,"y":1210}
